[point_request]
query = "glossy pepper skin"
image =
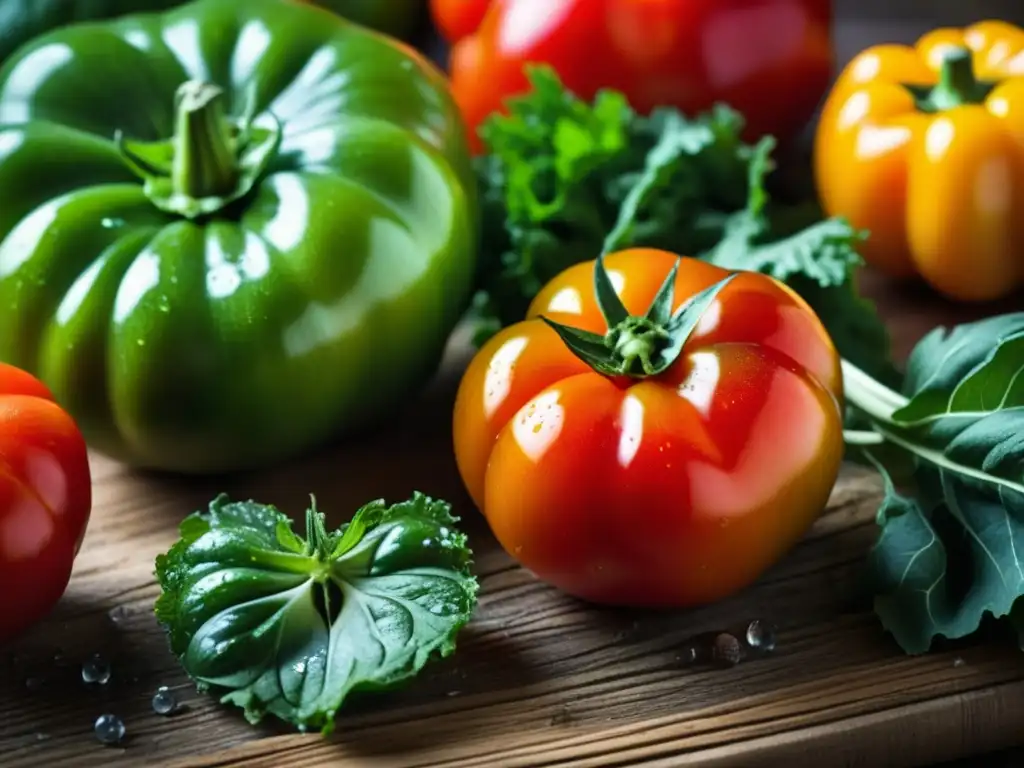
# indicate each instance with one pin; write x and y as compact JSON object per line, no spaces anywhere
{"x":206,"y":292}
{"x":45,"y":500}
{"x":23,"y":20}
{"x":924,"y":147}
{"x":770,"y":59}
{"x":672,"y":489}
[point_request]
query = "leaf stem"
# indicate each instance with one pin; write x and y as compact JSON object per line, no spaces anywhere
{"x":862,"y":437}
{"x":876,"y":400}
{"x":941,"y":461}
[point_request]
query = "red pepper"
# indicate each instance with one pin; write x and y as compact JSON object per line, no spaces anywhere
{"x":769,"y":59}
{"x":455,"y":19}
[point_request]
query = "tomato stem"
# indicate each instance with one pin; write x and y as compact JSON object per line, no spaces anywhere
{"x":653,"y":340}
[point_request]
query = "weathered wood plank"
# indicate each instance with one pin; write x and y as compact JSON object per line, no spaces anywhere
{"x":540,"y":678}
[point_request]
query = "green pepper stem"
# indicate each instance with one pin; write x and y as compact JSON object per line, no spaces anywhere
{"x":958,"y":84}
{"x":205,"y":162}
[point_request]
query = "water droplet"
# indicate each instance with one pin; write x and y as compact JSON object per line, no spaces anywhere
{"x":689,"y":655}
{"x":42,"y":736}
{"x":958,"y":662}
{"x":34,"y":683}
{"x":727,"y":650}
{"x":117,"y":614}
{"x":96,"y":670}
{"x":109,"y":729}
{"x":112,"y":223}
{"x":164,"y":701}
{"x":761,"y":635}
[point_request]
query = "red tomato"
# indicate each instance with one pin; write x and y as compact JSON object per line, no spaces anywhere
{"x":676,"y":489}
{"x":45,"y":499}
{"x":455,"y":19}
{"x":769,"y":59}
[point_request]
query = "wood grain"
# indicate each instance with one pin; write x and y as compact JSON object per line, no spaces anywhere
{"x":539,"y":679}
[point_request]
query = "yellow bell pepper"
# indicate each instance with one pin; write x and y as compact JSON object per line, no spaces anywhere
{"x":923,"y":146}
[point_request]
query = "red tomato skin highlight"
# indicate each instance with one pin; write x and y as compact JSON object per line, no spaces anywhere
{"x":672,"y":491}
{"x":45,"y":500}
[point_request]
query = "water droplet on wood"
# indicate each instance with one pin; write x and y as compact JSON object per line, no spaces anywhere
{"x":109,"y":729}
{"x":117,"y":614}
{"x":761,"y":635}
{"x":727,"y":650}
{"x":164,"y":701}
{"x":96,"y":670}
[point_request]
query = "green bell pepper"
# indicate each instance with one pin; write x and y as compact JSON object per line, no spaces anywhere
{"x":230,"y":232}
{"x":21,"y":20}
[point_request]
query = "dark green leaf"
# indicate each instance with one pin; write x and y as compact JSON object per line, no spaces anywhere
{"x":558,"y":173}
{"x":587,"y":346}
{"x":964,"y":428}
{"x":940,"y":566}
{"x":564,"y":180}
{"x":367,"y":516}
{"x":660,"y":311}
{"x":608,"y":300}
{"x":286,"y":627}
{"x":975,"y":368}
{"x":685,"y":319}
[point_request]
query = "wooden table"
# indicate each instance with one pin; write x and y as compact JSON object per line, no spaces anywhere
{"x":539,"y":679}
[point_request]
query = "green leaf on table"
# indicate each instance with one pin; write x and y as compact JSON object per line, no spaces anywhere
{"x":956,"y":553}
{"x":290,"y":627}
{"x":564,"y":180}
{"x":943,"y":561}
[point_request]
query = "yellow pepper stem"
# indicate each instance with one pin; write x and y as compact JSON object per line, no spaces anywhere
{"x":957,"y":84}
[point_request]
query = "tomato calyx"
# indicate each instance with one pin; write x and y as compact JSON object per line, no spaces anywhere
{"x":637,"y":346}
{"x":958,"y":84}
